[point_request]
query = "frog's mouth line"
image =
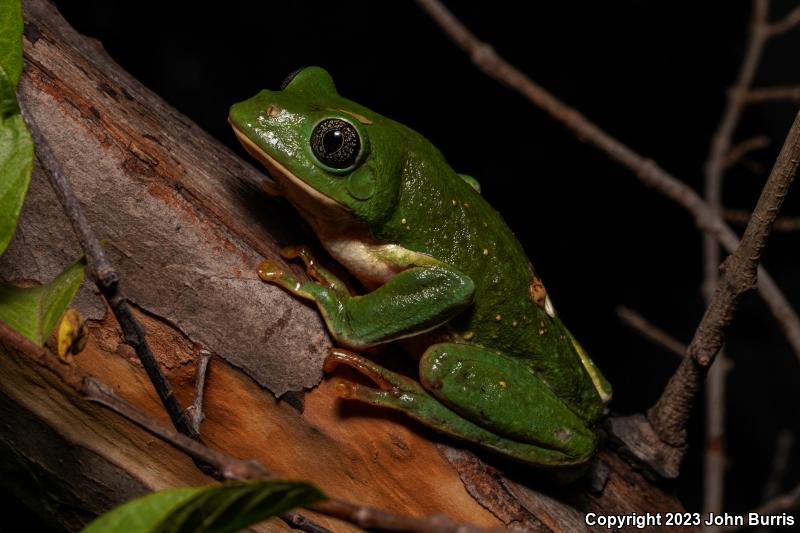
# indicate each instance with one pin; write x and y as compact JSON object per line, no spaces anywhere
{"x":309,"y":200}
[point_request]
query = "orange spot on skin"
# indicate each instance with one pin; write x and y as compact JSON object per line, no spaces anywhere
{"x":537,"y":291}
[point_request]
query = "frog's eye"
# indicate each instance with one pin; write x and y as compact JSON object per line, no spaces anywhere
{"x":335,"y":143}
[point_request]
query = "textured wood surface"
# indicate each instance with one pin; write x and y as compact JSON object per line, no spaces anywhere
{"x":183,"y":221}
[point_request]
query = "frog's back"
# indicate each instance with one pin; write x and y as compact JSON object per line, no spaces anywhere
{"x":439,"y":213}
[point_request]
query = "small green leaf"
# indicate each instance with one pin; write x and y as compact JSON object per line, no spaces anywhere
{"x":16,"y":163}
{"x":226,"y":508}
{"x":11,"y":39}
{"x":16,"y":145}
{"x":34,"y":311}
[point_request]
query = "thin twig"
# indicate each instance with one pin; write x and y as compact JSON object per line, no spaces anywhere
{"x":718,"y":159}
{"x":784,"y":442}
{"x":772,"y":94}
{"x":669,"y":415}
{"x":785,"y":24}
{"x":195,"y":411}
{"x":487,"y":60}
{"x":228,"y":467}
{"x":741,"y":218}
{"x":780,"y":461}
{"x":738,"y":151}
{"x":95,"y":391}
{"x":650,"y":331}
{"x":777,"y":505}
{"x":105,"y":276}
{"x":781,"y":503}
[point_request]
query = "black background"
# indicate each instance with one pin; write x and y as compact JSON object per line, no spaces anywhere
{"x":653,"y":74}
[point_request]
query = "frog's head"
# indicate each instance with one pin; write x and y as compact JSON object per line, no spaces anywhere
{"x":331,"y":157}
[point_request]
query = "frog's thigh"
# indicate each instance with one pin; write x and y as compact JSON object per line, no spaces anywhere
{"x":504,"y":396}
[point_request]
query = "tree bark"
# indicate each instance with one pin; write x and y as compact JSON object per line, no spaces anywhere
{"x":185,"y":225}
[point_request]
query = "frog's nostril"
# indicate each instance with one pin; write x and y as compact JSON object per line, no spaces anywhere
{"x":273,"y":111}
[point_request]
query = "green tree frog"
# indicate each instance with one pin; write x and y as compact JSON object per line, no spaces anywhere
{"x":442,"y":272}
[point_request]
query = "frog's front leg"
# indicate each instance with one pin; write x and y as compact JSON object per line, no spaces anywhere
{"x":546,"y":439}
{"x":415,"y":300}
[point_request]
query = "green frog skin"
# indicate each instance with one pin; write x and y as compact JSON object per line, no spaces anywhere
{"x":443,"y":272}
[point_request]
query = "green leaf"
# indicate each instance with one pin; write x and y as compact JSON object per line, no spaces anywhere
{"x":34,"y":311}
{"x":226,"y":508}
{"x":16,"y":163}
{"x":16,"y":145}
{"x":11,"y":39}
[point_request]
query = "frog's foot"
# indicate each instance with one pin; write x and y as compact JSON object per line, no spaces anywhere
{"x":313,"y":268}
{"x":272,"y":272}
{"x":400,"y":393}
{"x":391,"y":386}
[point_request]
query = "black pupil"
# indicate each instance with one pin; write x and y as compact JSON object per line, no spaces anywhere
{"x":335,"y":143}
{"x":332,"y":141}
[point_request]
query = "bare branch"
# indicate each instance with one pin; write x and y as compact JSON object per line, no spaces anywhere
{"x":739,"y":274}
{"x":784,"y":442}
{"x":95,"y":391}
{"x":707,"y":220}
{"x":195,"y":411}
{"x":741,"y":217}
{"x":772,"y":94}
{"x":785,"y":24}
{"x":738,"y":151}
{"x":780,"y":504}
{"x":650,"y":331}
{"x":106,"y":277}
{"x":718,"y":159}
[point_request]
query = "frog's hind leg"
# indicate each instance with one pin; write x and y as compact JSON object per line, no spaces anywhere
{"x":401,"y":393}
{"x":504,"y":396}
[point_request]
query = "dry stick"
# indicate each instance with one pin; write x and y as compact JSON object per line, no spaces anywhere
{"x":718,"y":157}
{"x":651,"y":332}
{"x":786,"y":23}
{"x":669,"y":415}
{"x":777,"y":505}
{"x":94,"y":390}
{"x":486,"y":59}
{"x":771,"y":94}
{"x":737,"y":152}
{"x":780,"y":461}
{"x":195,"y":411}
{"x":106,"y":277}
{"x":784,"y":443}
{"x":228,"y":467}
{"x":741,"y":217}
